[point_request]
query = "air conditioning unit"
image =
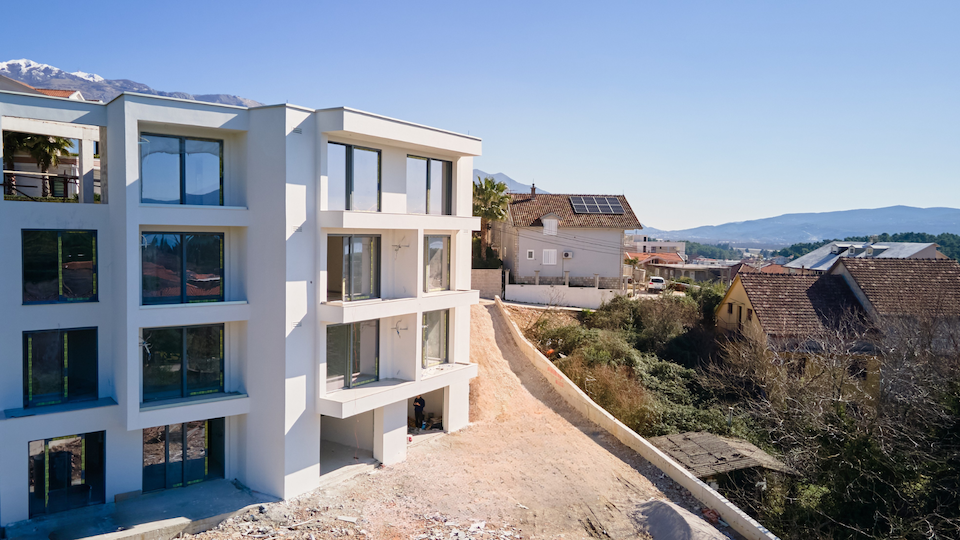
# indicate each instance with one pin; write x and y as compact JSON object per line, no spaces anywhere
{"x":567,"y":254}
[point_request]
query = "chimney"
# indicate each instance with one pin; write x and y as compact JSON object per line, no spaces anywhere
{"x":533,"y":192}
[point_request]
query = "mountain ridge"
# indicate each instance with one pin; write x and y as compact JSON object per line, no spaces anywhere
{"x":95,"y":87}
{"x":788,"y":229}
{"x":512,"y":185}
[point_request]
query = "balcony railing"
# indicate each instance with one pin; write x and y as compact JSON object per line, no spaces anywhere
{"x":41,"y":187}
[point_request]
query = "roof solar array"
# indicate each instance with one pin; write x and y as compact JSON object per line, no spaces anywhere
{"x":596,"y":205}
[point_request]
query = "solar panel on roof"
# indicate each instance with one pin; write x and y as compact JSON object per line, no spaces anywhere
{"x":596,"y":205}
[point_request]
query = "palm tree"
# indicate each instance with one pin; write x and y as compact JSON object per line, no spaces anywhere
{"x":47,"y":151}
{"x":490,"y":200}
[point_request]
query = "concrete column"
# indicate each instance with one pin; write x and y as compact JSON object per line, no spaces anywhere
{"x":86,"y":170}
{"x":103,"y":165}
{"x":566,"y":278}
{"x":14,"y":498}
{"x":506,"y":278}
{"x":456,"y":406}
{"x":390,"y":433}
{"x":596,"y":281}
{"x":536,"y":277}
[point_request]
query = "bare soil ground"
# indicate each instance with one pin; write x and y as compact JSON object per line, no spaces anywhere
{"x":528,"y":466}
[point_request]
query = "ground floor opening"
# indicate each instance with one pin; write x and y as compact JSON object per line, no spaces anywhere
{"x":66,"y":473}
{"x":345,"y":443}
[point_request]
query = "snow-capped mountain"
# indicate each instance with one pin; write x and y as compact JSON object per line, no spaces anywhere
{"x":95,"y":87}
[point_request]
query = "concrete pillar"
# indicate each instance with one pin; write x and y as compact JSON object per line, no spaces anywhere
{"x":596,"y":281}
{"x":103,"y":165}
{"x":566,"y":278}
{"x":390,"y":433}
{"x":536,"y":277}
{"x":456,"y":406}
{"x":506,"y":278}
{"x":86,"y":170}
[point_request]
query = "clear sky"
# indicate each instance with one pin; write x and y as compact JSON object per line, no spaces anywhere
{"x":700,"y":112}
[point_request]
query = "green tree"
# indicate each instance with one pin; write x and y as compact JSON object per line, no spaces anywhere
{"x":47,"y":151}
{"x":490,"y":200}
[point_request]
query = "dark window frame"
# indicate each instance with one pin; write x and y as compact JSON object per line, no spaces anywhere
{"x":61,"y":299}
{"x":65,"y":500}
{"x":447,"y":265}
{"x":348,"y":168}
{"x":445,"y":343}
{"x":184,"y":367}
{"x":378,"y":266}
{"x":28,"y":398}
{"x":184,"y":298}
{"x":446,"y":190}
{"x":183,"y":165}
{"x":214,"y":434}
{"x":348,"y":378}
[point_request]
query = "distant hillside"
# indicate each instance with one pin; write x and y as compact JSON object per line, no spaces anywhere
{"x":512,"y":185}
{"x":790,"y":229}
{"x":95,"y":87}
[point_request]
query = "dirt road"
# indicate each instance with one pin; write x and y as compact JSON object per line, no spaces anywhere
{"x":528,"y":465}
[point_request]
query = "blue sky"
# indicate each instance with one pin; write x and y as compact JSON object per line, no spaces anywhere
{"x":700,"y":112}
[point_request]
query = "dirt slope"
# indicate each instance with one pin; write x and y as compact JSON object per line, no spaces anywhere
{"x":527,"y":466}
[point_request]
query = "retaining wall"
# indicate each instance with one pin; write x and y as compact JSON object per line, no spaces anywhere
{"x":559,"y":295}
{"x":488,"y":281}
{"x":741,"y":522}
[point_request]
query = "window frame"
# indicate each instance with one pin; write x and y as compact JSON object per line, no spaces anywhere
{"x":446,"y":189}
{"x":96,"y":484}
{"x":185,"y":392}
{"x":447,"y":265}
{"x":214,"y":434}
{"x":445,"y":339}
{"x":531,"y":255}
{"x":553,"y":257}
{"x":550,"y":230}
{"x":352,"y":380}
{"x":377,"y":264}
{"x":348,"y":174}
{"x":61,"y":299}
{"x":184,"y":298}
{"x":183,"y":166}
{"x":64,"y":361}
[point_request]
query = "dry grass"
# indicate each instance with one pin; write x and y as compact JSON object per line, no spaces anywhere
{"x":614,"y":388}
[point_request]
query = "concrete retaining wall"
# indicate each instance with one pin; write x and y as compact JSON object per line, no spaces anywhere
{"x":737,"y":519}
{"x":559,"y":295}
{"x":488,"y":282}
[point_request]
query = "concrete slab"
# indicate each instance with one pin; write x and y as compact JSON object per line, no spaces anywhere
{"x":154,"y":516}
{"x":339,"y":462}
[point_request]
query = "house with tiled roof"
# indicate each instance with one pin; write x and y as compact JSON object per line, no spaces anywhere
{"x":566,"y":240}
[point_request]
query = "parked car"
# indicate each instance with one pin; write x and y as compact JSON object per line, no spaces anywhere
{"x":656,"y":284}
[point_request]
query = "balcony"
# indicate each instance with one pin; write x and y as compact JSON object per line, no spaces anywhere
{"x":381,"y":308}
{"x":345,"y":219}
{"x":347,"y":403}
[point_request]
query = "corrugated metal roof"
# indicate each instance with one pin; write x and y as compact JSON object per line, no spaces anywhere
{"x":821,"y":259}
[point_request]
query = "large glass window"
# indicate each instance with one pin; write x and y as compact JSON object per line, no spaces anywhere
{"x":436,"y":255}
{"x":353,"y":267}
{"x":353,"y":175}
{"x":436,"y":332}
{"x":353,"y":354}
{"x":182,"y":268}
{"x":66,"y":473}
{"x":182,"y":362}
{"x":181,"y":170}
{"x":59,"y":266}
{"x":182,"y":454}
{"x":59,"y":366}
{"x":429,"y":186}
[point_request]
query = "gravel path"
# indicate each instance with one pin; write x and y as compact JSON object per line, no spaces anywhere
{"x":528,"y":466}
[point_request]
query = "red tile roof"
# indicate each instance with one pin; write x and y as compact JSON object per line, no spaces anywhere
{"x":56,"y":93}
{"x":792,"y":305}
{"x":526,"y":211}
{"x":774,"y":269}
{"x":908,"y":286}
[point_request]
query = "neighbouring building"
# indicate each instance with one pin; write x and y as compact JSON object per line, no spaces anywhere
{"x":823,"y":258}
{"x":642,"y":243}
{"x":250,"y":290}
{"x":568,"y":241}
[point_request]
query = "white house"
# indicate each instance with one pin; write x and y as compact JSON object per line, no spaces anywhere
{"x":254,"y":287}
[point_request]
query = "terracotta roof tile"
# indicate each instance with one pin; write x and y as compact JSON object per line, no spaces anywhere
{"x":55,"y":92}
{"x":526,"y":211}
{"x":791,"y":305}
{"x":908,"y":286}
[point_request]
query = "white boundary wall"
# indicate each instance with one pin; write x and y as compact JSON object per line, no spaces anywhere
{"x":559,"y":295}
{"x":737,"y":519}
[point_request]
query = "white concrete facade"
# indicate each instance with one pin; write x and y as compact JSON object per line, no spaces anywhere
{"x":276,"y":221}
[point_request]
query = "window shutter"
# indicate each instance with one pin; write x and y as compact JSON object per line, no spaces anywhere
{"x":549,"y":257}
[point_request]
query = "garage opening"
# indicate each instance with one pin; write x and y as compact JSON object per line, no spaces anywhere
{"x":432,"y":421}
{"x":345,"y":443}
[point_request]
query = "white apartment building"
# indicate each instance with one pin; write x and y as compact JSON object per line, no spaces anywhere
{"x":645,"y":244}
{"x":240,"y":289}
